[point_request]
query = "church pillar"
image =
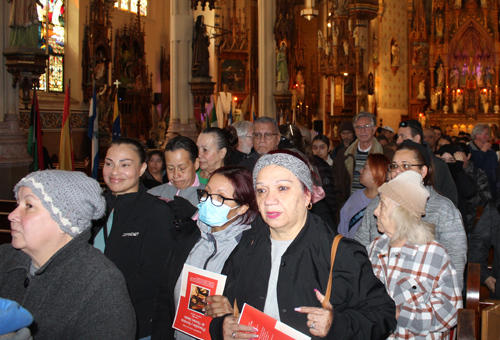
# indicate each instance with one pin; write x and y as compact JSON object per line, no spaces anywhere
{"x":14,"y":159}
{"x":181,"y":100}
{"x":267,"y":58}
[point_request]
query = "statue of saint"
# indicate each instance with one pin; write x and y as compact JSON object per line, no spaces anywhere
{"x":200,"y":44}
{"x":375,"y":48}
{"x":434,"y":101}
{"x":439,"y":25}
{"x":281,"y":69}
{"x":454,"y":75}
{"x":460,"y":100}
{"x":485,"y":102}
{"x":346,"y":48}
{"x":479,"y":75}
{"x":395,"y":54}
{"x":488,"y":76}
{"x":421,"y":90}
{"x":320,"y":40}
{"x":463,"y":76}
{"x":327,"y":47}
{"x":336,"y":36}
{"x":440,"y":76}
{"x":23,"y":23}
{"x":356,"y":37}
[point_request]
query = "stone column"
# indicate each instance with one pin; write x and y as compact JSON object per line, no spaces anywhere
{"x":267,"y":58}
{"x":181,"y":100}
{"x":14,"y":159}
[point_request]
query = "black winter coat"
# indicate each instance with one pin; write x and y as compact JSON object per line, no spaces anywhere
{"x":185,"y":238}
{"x":138,"y":245}
{"x":362,"y":307}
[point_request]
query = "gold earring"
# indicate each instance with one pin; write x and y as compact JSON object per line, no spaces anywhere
{"x":309,"y":206}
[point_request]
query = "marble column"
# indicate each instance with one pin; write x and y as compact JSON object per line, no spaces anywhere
{"x":267,"y":58}
{"x":181,"y":100}
{"x":14,"y":159}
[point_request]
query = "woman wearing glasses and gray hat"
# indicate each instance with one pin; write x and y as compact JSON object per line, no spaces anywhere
{"x":282,"y":265}
{"x":227,"y":207}
{"x":72,"y":290}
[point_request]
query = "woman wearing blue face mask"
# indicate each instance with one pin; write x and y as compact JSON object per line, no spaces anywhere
{"x":227,"y":207}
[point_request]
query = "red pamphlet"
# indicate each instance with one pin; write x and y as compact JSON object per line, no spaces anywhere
{"x":268,"y":327}
{"x":196,"y":285}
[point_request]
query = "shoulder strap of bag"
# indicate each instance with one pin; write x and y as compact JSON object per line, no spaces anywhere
{"x":332,"y":260}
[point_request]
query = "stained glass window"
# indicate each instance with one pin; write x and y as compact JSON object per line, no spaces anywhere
{"x":131,"y":6}
{"x":52,"y":40}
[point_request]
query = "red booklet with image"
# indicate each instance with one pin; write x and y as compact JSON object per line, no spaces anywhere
{"x":196,"y":285}
{"x":268,"y":327}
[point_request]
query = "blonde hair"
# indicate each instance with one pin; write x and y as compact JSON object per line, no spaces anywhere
{"x":411,"y":227}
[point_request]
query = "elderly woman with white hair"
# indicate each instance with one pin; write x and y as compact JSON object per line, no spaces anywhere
{"x":72,"y":290}
{"x":414,"y":268}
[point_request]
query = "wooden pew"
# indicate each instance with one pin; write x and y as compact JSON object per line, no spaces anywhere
{"x":474,"y":301}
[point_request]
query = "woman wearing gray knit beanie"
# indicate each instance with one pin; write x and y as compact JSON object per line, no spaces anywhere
{"x":72,"y":290}
{"x":282,"y":265}
{"x":415,"y":269}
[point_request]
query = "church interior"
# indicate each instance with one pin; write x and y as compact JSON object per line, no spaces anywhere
{"x":312,"y":63}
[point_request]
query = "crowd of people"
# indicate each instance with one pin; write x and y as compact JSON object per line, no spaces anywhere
{"x":261,"y":203}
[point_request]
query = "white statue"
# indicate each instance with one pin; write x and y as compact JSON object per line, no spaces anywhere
{"x":395,"y":54}
{"x":327,"y":48}
{"x":320,"y":40}
{"x":421,"y":90}
{"x":349,"y":25}
{"x":455,"y":106}
{"x":479,"y":75}
{"x":434,"y":101}
{"x":336,"y":36}
{"x":356,"y":36}
{"x":346,"y":48}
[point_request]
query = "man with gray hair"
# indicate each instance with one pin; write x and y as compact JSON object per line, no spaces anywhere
{"x":483,"y":156}
{"x":266,"y":138}
{"x":350,"y":160}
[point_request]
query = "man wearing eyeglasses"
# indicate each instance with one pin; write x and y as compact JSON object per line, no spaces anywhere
{"x":266,"y":138}
{"x":350,"y":160}
{"x":412,"y":129}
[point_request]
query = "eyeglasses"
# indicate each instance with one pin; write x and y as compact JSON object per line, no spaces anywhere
{"x":404,"y":167}
{"x":361,"y":127}
{"x":217,"y":200}
{"x":249,"y":136}
{"x":267,"y":135}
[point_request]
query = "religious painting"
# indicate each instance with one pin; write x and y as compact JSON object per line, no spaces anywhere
{"x":233,"y":75}
{"x":130,"y":62}
{"x":419,"y":54}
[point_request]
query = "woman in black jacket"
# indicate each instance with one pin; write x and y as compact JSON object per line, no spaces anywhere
{"x":282,"y":265}
{"x":135,"y":233}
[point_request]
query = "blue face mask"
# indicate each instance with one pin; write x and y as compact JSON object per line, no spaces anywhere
{"x":212,"y":215}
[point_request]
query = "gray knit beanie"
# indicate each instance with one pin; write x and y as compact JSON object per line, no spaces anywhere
{"x":289,"y":162}
{"x":408,"y":191}
{"x":72,"y":198}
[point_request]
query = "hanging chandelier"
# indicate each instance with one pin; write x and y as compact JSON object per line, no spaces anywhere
{"x":309,"y":12}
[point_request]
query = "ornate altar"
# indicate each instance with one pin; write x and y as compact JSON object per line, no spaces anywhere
{"x":233,"y":54}
{"x":135,"y":82}
{"x":96,"y":55}
{"x":341,"y":55}
{"x":454,"y":62}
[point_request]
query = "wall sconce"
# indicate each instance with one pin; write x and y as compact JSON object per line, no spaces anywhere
{"x":309,"y":12}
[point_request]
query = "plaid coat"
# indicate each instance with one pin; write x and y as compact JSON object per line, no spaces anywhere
{"x":423,"y":284}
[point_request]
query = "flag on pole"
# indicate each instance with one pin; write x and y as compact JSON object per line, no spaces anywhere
{"x":35,"y":145}
{"x":117,"y":125}
{"x":212,"y":117}
{"x":253,"y":117}
{"x":66,"y":157}
{"x":94,"y":133}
